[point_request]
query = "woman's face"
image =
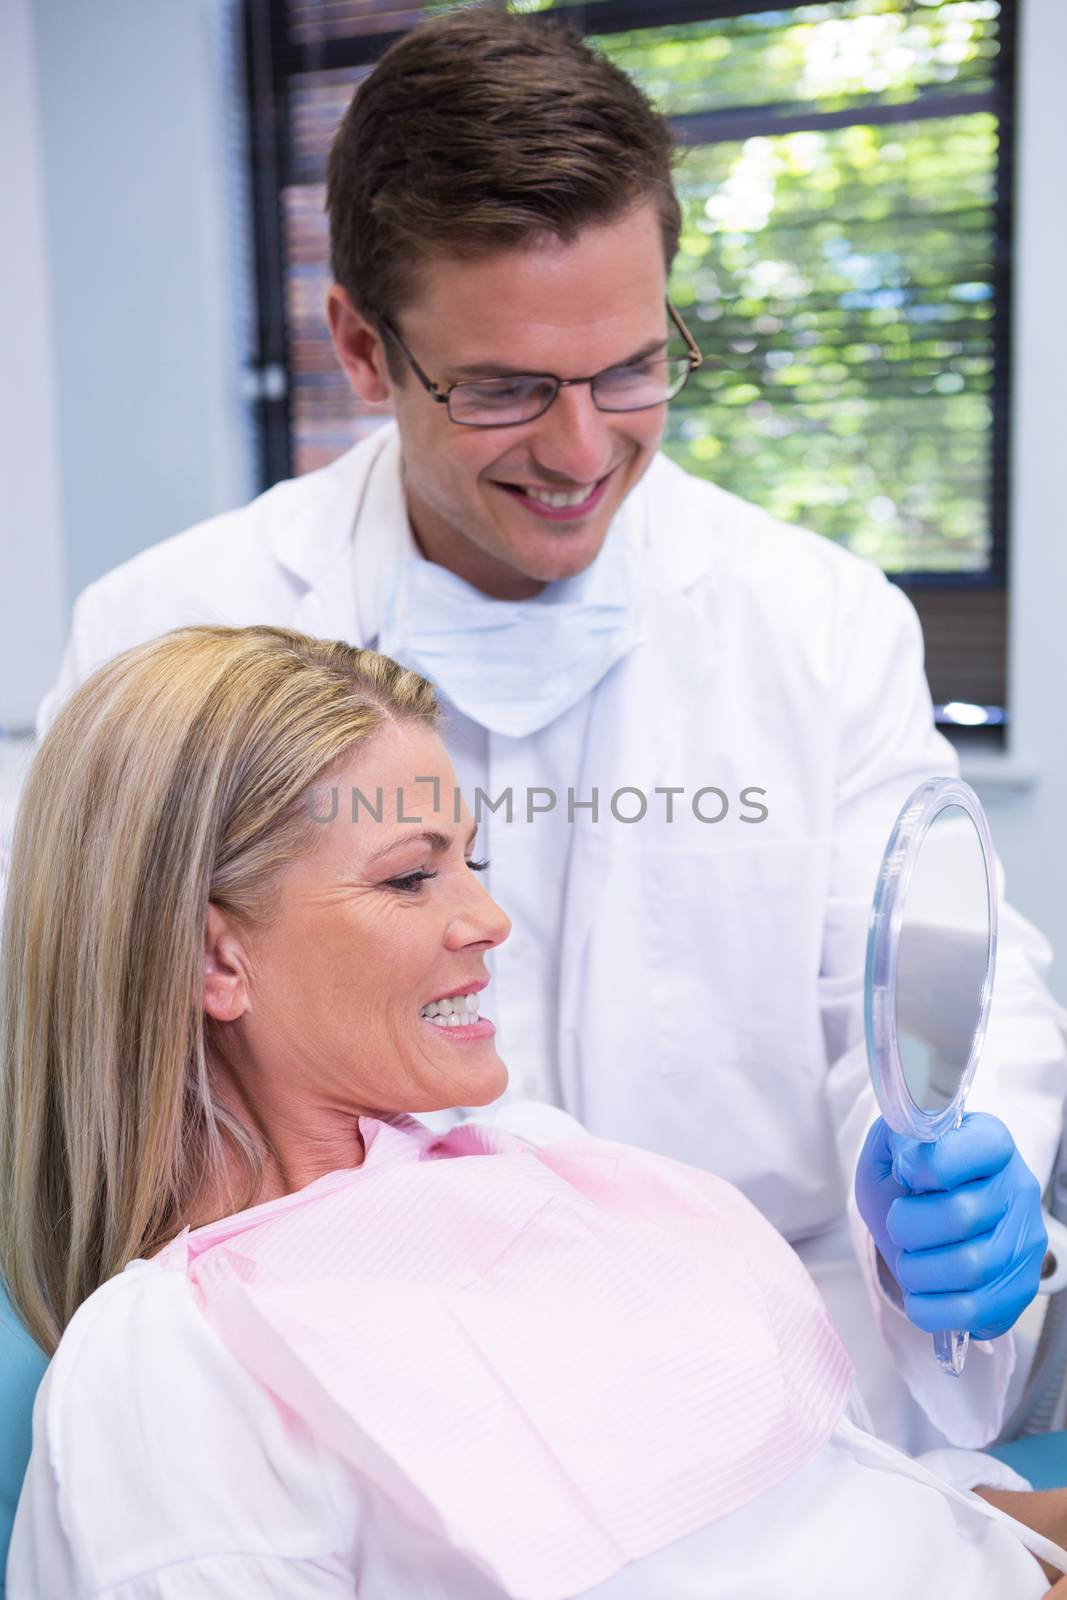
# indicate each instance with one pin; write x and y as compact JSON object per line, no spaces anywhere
{"x":326,"y":1008}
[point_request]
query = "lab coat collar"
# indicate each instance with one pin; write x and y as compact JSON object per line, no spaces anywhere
{"x":359,"y":498}
{"x":383,"y":537}
{"x":311,"y":537}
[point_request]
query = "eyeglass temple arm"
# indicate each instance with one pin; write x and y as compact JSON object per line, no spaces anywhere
{"x":435,"y":393}
{"x":696,"y":355}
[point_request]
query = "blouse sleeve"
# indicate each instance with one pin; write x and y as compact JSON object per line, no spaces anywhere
{"x":161,"y":1470}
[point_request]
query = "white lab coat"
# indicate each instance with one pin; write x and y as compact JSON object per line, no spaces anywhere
{"x":710,"y":974}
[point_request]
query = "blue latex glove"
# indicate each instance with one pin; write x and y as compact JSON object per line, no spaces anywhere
{"x":958,"y":1224}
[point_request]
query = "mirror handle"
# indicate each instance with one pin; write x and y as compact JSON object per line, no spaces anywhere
{"x":950,"y":1348}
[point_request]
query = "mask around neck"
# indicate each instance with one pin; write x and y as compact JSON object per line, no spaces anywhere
{"x":513,"y":666}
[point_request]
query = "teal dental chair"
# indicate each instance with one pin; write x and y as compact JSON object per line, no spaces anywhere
{"x":22,"y":1367}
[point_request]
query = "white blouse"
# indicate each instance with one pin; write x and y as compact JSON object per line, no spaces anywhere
{"x":163,"y":1470}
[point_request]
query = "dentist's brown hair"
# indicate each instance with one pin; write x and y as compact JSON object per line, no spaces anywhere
{"x":478,"y":132}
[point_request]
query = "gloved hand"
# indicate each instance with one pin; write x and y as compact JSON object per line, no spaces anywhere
{"x":958,"y":1224}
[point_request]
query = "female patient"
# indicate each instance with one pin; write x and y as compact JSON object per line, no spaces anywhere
{"x":304,"y":1346}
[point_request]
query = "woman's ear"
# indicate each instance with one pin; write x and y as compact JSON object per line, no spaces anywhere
{"x":227,"y":992}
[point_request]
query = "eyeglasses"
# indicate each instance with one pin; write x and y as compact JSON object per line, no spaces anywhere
{"x":506,"y":402}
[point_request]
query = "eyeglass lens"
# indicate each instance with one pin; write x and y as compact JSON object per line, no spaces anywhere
{"x":496,"y":401}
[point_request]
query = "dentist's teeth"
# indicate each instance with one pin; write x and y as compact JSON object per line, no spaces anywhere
{"x":557,"y":501}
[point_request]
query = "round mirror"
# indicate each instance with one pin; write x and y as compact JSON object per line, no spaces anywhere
{"x":931,"y":953}
{"x":944,"y":961}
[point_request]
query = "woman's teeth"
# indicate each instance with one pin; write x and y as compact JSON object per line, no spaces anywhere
{"x":454,"y":1013}
{"x":556,"y":501}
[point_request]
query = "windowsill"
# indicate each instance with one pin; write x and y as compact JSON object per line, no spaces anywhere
{"x":999,"y":771}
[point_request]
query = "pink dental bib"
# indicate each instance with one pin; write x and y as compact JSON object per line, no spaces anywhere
{"x":558,"y":1360}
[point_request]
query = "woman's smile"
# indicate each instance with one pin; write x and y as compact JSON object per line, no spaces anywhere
{"x":458,"y":1014}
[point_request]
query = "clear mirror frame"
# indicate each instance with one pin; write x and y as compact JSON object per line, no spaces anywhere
{"x":883,"y":947}
{"x":884,"y":1047}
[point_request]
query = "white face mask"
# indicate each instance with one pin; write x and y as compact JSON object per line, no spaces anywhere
{"x":513,"y":666}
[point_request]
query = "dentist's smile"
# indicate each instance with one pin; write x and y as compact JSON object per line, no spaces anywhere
{"x":558,"y":505}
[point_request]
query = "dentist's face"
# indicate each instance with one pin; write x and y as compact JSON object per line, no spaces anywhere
{"x":569,"y":309}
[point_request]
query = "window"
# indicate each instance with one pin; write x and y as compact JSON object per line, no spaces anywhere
{"x":845,"y":173}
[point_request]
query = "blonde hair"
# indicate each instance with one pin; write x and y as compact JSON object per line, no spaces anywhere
{"x":177,"y":775}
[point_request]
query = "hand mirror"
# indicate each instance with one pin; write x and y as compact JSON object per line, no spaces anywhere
{"x":931,"y":953}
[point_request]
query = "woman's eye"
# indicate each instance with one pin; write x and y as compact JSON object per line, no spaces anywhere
{"x":410,"y":882}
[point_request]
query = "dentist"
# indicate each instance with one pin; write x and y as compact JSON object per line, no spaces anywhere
{"x":691,"y":727}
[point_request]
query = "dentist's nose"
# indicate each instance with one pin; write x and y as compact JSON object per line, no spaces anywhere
{"x":572,"y":441}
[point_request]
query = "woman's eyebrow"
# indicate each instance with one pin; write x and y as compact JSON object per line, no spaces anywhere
{"x":429,"y":836}
{"x":438,"y":842}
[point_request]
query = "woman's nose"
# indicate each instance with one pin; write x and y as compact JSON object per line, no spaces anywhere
{"x":480,"y":921}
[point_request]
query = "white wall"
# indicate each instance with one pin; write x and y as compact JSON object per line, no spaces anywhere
{"x":32,"y":608}
{"x":140,"y":269}
{"x":1028,"y":823}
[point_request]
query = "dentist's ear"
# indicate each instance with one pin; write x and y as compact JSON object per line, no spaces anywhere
{"x":359,"y":348}
{"x":227,"y":992}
